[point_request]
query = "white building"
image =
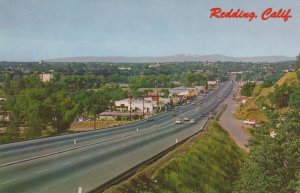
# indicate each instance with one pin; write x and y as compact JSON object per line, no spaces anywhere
{"x":137,"y":105}
{"x":179,"y":91}
{"x":183,"y":92}
{"x":212,"y":82}
{"x":46,"y":77}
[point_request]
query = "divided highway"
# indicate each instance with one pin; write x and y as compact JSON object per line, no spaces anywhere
{"x":62,"y":164}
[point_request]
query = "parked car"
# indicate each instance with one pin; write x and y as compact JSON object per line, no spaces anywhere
{"x":192,"y":121}
{"x":186,"y":119}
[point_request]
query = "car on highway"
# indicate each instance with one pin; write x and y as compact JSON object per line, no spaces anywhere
{"x":178,"y":121}
{"x":150,"y":119}
{"x":186,"y":119}
{"x":192,"y":121}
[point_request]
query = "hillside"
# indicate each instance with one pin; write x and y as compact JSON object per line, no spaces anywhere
{"x":253,"y":108}
{"x":207,"y":163}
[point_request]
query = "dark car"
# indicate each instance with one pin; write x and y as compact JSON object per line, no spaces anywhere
{"x":150,"y":119}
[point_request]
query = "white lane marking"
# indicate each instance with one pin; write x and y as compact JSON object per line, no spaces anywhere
{"x":41,"y":171}
{"x":67,"y":163}
{"x":9,"y":181}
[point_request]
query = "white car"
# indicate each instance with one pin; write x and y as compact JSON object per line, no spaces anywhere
{"x":178,"y":122}
{"x":192,"y":121}
{"x":186,"y":119}
{"x":249,"y":122}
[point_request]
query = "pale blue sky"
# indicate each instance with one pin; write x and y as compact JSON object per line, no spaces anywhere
{"x":45,"y":29}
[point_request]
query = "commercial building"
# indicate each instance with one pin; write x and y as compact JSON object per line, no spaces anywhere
{"x":150,"y":105}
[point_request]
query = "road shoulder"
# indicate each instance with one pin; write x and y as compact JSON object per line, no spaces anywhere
{"x":232,"y":125}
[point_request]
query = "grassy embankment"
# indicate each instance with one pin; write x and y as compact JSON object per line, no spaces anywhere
{"x":207,"y":163}
{"x":253,"y":108}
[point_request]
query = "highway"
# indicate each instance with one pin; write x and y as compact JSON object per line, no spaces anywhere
{"x":62,"y":164}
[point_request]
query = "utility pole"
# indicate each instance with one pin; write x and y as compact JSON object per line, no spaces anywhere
{"x":130,"y":97}
{"x":144,"y":105}
{"x":95,"y":114}
{"x":95,"y":121}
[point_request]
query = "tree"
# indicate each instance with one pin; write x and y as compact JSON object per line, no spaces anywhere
{"x":193,"y":79}
{"x":166,"y":92}
{"x":31,"y":103}
{"x":280,"y":96}
{"x":298,"y":63}
{"x":294,"y":100}
{"x":20,"y":84}
{"x":7,"y":86}
{"x":15,"y":119}
{"x":273,"y":161}
{"x":267,"y":83}
{"x":298,"y":67}
{"x":247,"y":89}
{"x":63,"y":111}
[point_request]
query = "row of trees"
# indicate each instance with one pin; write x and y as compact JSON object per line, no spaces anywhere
{"x":166,"y":81}
{"x":114,"y":72}
{"x":36,"y":106}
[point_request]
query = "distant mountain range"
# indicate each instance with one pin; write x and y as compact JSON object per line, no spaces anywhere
{"x":175,"y":58}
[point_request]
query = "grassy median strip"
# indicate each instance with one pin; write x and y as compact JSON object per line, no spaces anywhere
{"x":207,"y":163}
{"x":221,"y":111}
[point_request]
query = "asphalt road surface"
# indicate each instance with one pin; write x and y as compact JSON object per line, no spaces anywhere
{"x":62,"y":164}
{"x":233,"y":125}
